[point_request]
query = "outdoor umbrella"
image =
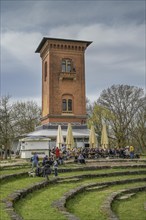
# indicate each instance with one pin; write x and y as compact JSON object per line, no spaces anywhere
{"x":69,"y":137}
{"x":92,"y":137}
{"x":60,"y":139}
{"x":104,"y":137}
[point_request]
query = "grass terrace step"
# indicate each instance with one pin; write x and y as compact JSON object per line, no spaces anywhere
{"x":99,"y":171}
{"x":68,"y":180}
{"x":131,"y":208}
{"x":14,"y":175}
{"x":97,"y":202}
{"x":84,"y":174}
{"x":113,"y":166}
{"x":127,"y":196}
{"x":99,"y":160}
{"x":96,"y":187}
{"x":11,"y":166}
{"x":10,"y":185}
{"x":45,"y":197}
{"x":12,"y":171}
{"x":61,"y":203}
{"x":100,"y":175}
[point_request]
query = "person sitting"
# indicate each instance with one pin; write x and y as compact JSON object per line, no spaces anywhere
{"x":122,"y":153}
{"x":76,"y":158}
{"x":127,"y":153}
{"x":81,"y":158}
{"x":39,"y":171}
{"x":60,"y":159}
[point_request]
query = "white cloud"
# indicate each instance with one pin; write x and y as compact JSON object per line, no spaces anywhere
{"x":121,"y":46}
{"x":21,"y":46}
{"x":117,"y":54}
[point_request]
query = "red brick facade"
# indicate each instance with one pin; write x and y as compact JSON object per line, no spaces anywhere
{"x":63,"y":80}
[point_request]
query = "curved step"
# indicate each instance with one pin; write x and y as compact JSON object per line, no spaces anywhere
{"x":108,"y":204}
{"x":61,"y":203}
{"x":127,"y":196}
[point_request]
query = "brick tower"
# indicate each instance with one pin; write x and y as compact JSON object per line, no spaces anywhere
{"x":63,"y":80}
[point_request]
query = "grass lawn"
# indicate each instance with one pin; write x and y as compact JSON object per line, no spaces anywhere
{"x":65,"y":174}
{"x":42,"y":199}
{"x":37,"y":205}
{"x":8,"y":187}
{"x":12,"y":171}
{"x":112,"y":170}
{"x":132,"y":208}
{"x":95,"y":200}
{"x":73,"y":173}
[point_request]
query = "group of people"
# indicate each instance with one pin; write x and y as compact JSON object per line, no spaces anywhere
{"x":57,"y":157}
{"x":44,"y":168}
{"x":79,"y":158}
{"x":98,"y":152}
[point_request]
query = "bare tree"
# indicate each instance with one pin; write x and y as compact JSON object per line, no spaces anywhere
{"x":124,"y":102}
{"x":16,"y":119}
{"x":27,"y":116}
{"x":138,"y":128}
{"x":6,"y":124}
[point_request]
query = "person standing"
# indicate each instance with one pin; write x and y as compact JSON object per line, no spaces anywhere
{"x":55,"y":168}
{"x":57,"y":153}
{"x":35,"y":160}
{"x":45,"y":159}
{"x":131,"y":152}
{"x":47,"y":171}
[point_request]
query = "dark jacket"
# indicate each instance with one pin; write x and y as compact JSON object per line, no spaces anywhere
{"x":47,"y":169}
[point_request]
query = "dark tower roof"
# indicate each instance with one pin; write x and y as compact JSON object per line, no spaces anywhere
{"x":59,"y":39}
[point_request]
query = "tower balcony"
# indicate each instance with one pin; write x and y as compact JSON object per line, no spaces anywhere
{"x":67,"y":75}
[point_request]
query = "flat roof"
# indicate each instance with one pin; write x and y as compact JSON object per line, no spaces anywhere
{"x":77,"y":133}
{"x":43,"y":41}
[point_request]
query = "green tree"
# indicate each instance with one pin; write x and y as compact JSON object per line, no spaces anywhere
{"x":89,"y":107}
{"x":99,"y":115}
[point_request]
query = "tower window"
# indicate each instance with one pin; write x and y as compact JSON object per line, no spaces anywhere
{"x":64,"y":105}
{"x":67,"y":105}
{"x":66,"y":65}
{"x":45,"y":75}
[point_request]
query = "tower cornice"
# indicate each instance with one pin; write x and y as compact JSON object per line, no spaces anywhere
{"x":58,"y":43}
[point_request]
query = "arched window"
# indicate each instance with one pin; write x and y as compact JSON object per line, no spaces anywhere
{"x":45,"y":71}
{"x":67,"y":105}
{"x":64,"y":105}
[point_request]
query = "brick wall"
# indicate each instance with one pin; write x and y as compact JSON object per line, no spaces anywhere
{"x":55,"y":86}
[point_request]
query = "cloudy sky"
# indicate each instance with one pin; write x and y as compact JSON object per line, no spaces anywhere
{"x":116,"y":56}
